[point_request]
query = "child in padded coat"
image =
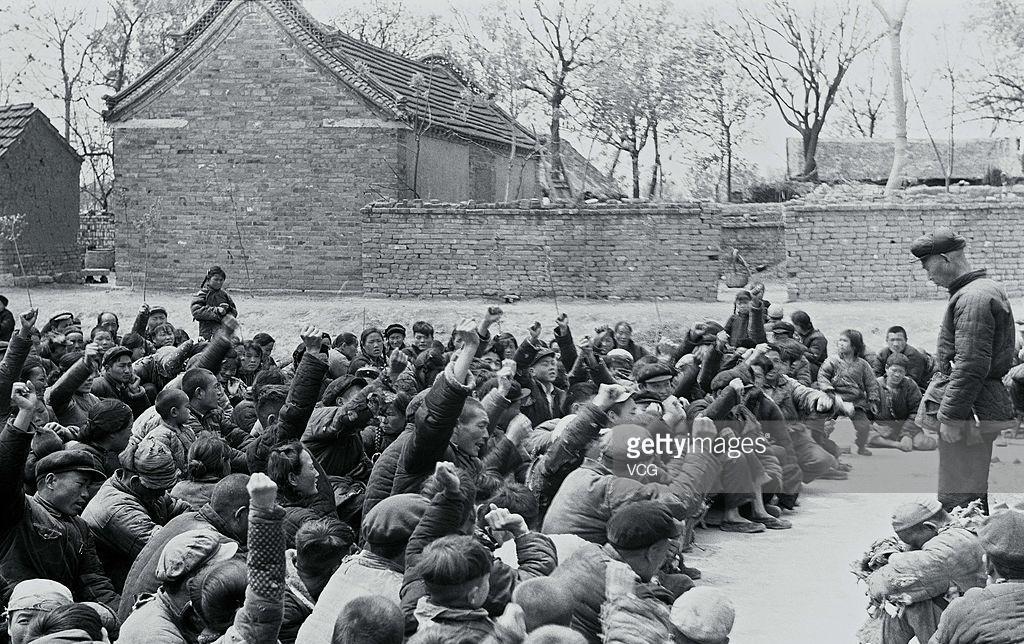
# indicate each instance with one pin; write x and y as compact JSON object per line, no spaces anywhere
{"x":850,"y":375}
{"x":212,"y":302}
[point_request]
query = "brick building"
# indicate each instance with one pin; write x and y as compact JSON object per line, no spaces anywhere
{"x":39,"y":173}
{"x":257,"y":141}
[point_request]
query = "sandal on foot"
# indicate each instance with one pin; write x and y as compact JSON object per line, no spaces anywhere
{"x":774,"y":524}
{"x":746,"y":527}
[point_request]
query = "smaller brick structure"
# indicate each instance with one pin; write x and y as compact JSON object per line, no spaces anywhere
{"x":624,"y":250}
{"x":757,"y":231}
{"x":39,"y":173}
{"x":96,"y":230}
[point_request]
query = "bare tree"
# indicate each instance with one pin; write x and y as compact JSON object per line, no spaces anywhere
{"x":799,"y":60}
{"x":390,"y":25}
{"x":863,"y":102}
{"x":894,"y":26}
{"x":999,"y":92}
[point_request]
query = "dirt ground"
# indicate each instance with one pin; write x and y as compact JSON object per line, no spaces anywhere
{"x":790,"y":586}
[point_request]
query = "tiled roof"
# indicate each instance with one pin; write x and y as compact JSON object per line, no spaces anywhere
{"x":429,"y":92}
{"x":14,"y":119}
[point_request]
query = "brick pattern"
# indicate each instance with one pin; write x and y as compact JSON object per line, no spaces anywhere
{"x":756,"y":230}
{"x":862,"y":251}
{"x":96,"y":230}
{"x":619,"y":250}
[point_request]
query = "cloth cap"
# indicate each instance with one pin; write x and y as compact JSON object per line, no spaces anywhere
{"x":394,"y":328}
{"x":152,"y":462}
{"x":704,"y":614}
{"x":1002,"y":537}
{"x":4,"y":301}
{"x":39,"y":594}
{"x":543,"y":353}
{"x":641,"y":524}
{"x":722,"y":380}
{"x":392,"y":521}
{"x":784,"y":327}
{"x":113,"y":353}
{"x":620,"y":354}
{"x":908,"y":515}
{"x":618,"y":439}
{"x":654,"y":372}
{"x":775,"y":311}
{"x":940,"y":241}
{"x":60,"y":317}
{"x":153,"y":310}
{"x":68,"y":461}
{"x":186,"y":553}
{"x":69,"y":359}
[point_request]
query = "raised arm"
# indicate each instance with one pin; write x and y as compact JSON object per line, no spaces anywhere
{"x":563,"y":337}
{"x":260,"y":617}
{"x":141,"y":320}
{"x":305,"y":388}
{"x":218,"y":347}
{"x":14,"y":359}
{"x":60,"y":394}
{"x":15,"y":444}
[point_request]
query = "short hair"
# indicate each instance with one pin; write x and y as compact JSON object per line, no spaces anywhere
{"x":369,"y":619}
{"x":106,"y":418}
{"x":623,"y":323}
{"x":229,"y":494}
{"x":801,"y":319}
{"x":221,"y":592}
{"x":66,"y":618}
{"x":470,"y":407}
{"x":206,"y":456}
{"x":99,"y":318}
{"x":195,"y":378}
{"x":578,"y":393}
{"x":269,"y":400}
{"x":231,"y":357}
{"x":453,"y":561}
{"x":545,"y":601}
{"x":166,"y":327}
{"x":896,"y":329}
{"x":555,"y":634}
{"x":452,"y":633}
{"x":252,"y":346}
{"x":96,"y":330}
{"x":285,"y":460}
{"x":167,"y":400}
{"x":344,"y":340}
{"x":263,"y":339}
{"x":423,"y":328}
{"x":323,"y":540}
{"x":267,"y":378}
{"x":517,"y":499}
{"x":897,"y":360}
{"x":133,"y":341}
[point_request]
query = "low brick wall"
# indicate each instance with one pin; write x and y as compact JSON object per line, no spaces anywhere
{"x":757,"y":231}
{"x":862,"y":251}
{"x":96,"y":230}
{"x":623,"y":250}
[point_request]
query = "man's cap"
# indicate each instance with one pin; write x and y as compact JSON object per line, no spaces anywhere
{"x":1002,"y":537}
{"x":616,"y":440}
{"x":543,"y":353}
{"x":645,"y":398}
{"x":640,"y":525}
{"x":153,"y":310}
{"x":620,"y":354}
{"x":368,"y":372}
{"x":940,"y":241}
{"x":783,"y":326}
{"x":152,"y":462}
{"x":394,"y":328}
{"x":113,"y":353}
{"x":392,"y":521}
{"x":704,"y":614}
{"x":908,"y":515}
{"x":516,"y":392}
{"x":68,"y":461}
{"x":187,"y":552}
{"x":39,"y":594}
{"x":653,"y":372}
{"x":775,"y":311}
{"x":897,"y":359}
{"x":63,"y":315}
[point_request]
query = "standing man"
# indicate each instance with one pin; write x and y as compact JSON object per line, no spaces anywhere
{"x":975,"y":350}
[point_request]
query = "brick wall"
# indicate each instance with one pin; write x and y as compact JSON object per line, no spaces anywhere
{"x":756,"y":230}
{"x":862,"y":251}
{"x":254,"y":158}
{"x":96,"y":230}
{"x":49,"y":201}
{"x":626,"y":250}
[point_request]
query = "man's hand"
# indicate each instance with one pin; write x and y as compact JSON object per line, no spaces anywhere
{"x":398,"y":362}
{"x":722,"y":338}
{"x":620,"y":580}
{"x":312,"y":339}
{"x":563,"y":323}
{"x":535,"y":334}
{"x":761,"y":349}
{"x":144,"y":308}
{"x":685,"y":361}
{"x":28,"y":318}
{"x":447,"y":477}
{"x":703,"y":427}
{"x":674,"y":409}
{"x":466,"y":330}
{"x":518,"y":429}
{"x":504,"y":384}
{"x":508,"y":369}
{"x":502,"y":519}
{"x":736,"y":385}
{"x":23,"y":396}
{"x":493,"y":316}
{"x":230,"y":323}
{"x":262,"y":491}
{"x":950,"y":433}
{"x":823,"y":404}
{"x":757,"y":292}
{"x":92,"y":353}
{"x":134,"y":382}
{"x":607,"y":395}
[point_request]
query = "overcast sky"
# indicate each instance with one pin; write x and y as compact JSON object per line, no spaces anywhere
{"x":934,"y":31}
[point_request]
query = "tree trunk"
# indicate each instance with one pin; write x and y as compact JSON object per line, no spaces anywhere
{"x":615,"y":164}
{"x":810,"y":146}
{"x":952,"y":112}
{"x":511,"y":164}
{"x":894,"y":25}
{"x":558,"y":178}
{"x":634,"y":156}
{"x":657,"y":161}
{"x":728,"y":165}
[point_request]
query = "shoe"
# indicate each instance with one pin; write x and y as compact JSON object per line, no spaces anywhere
{"x":846,"y":467}
{"x":692,"y":573}
{"x":845,"y":450}
{"x":773,"y":510}
{"x":863,"y":451}
{"x":907,"y":444}
{"x":834,"y":475}
{"x":787,"y":502}
{"x":746,"y":527}
{"x":774,"y":524}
